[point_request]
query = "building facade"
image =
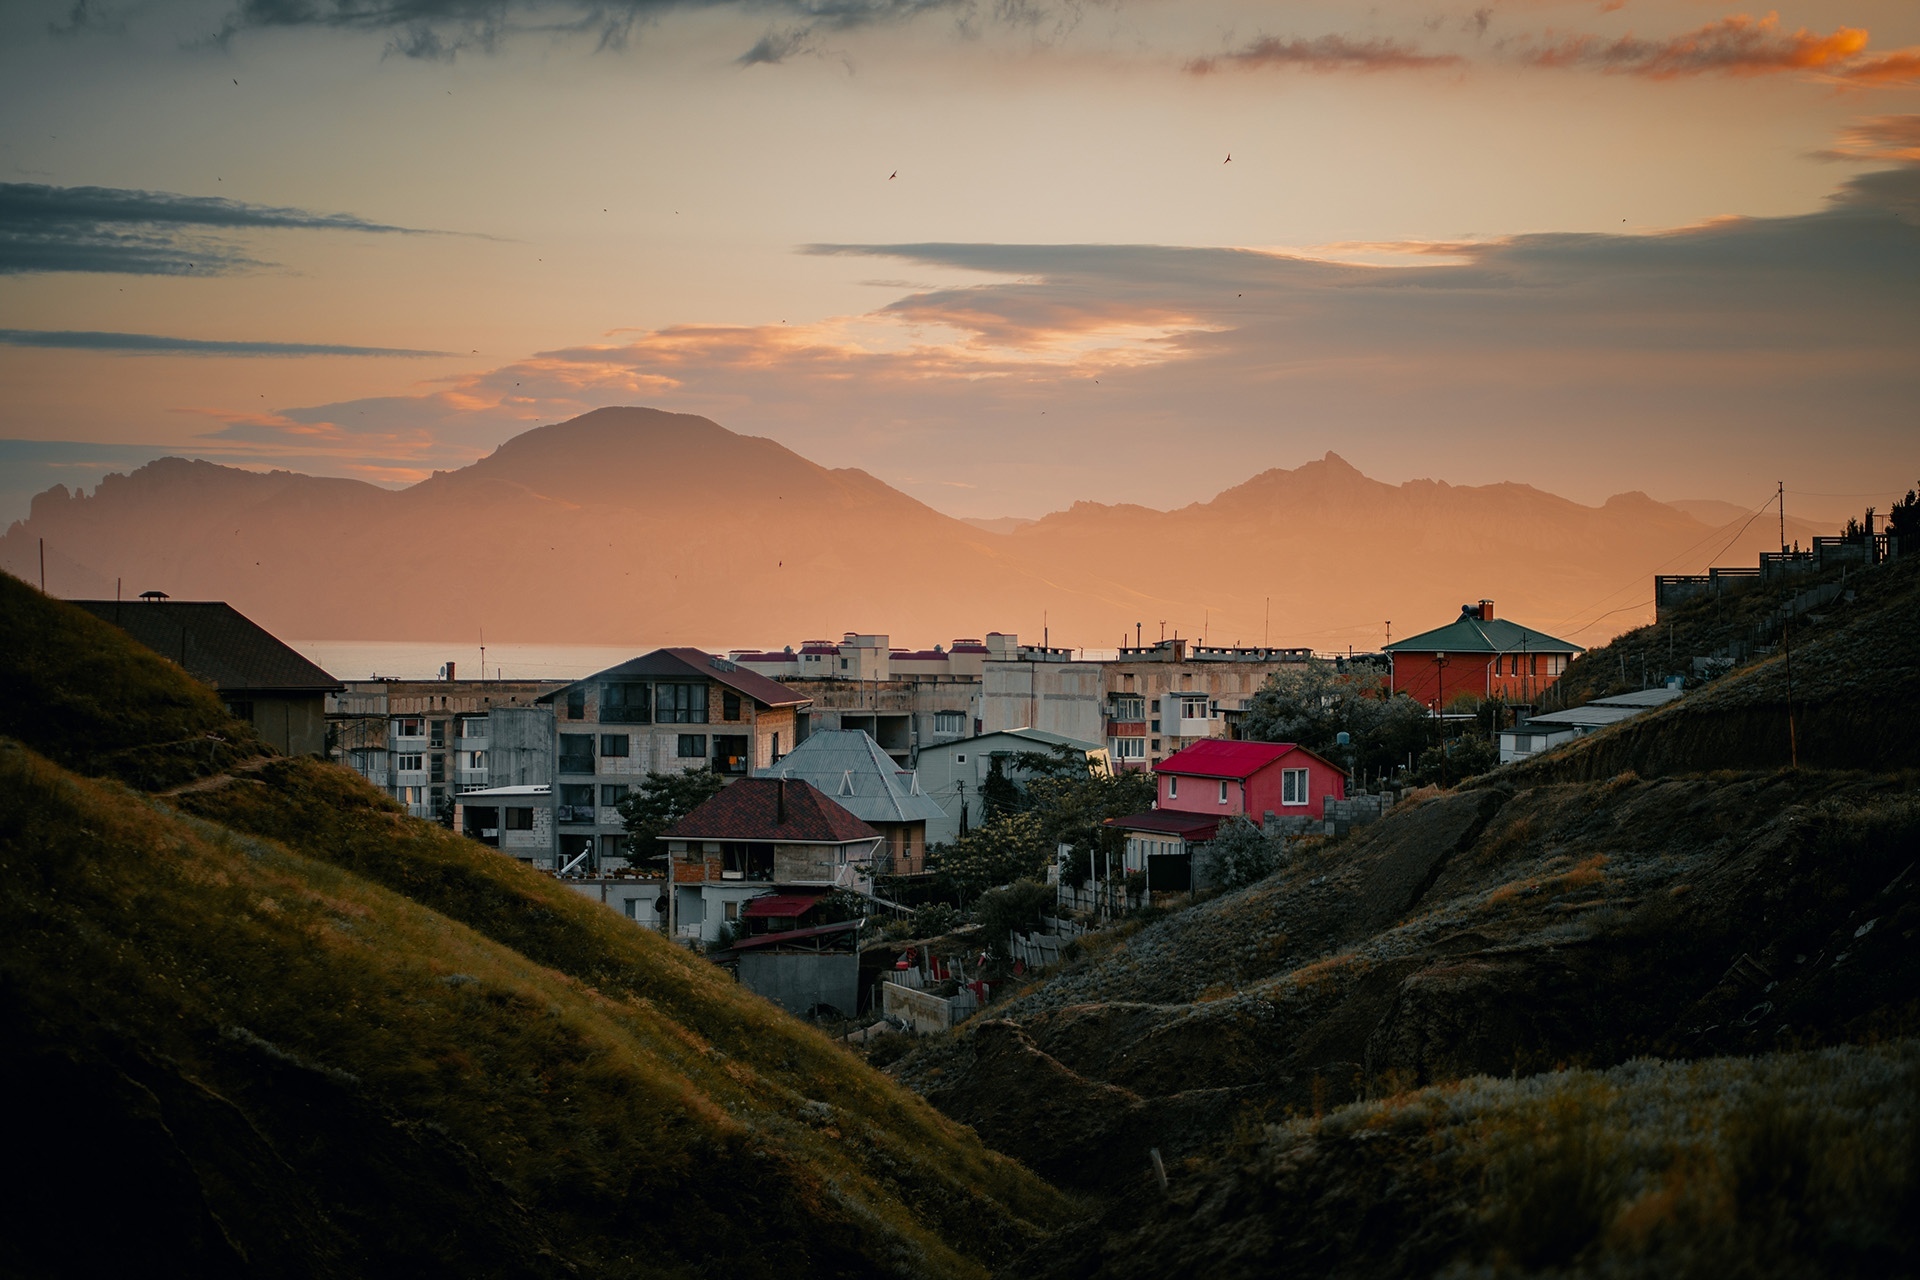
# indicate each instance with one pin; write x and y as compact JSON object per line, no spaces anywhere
{"x":424,"y":742}
{"x":1162,"y":698}
{"x":1478,"y":655}
{"x":952,"y":773}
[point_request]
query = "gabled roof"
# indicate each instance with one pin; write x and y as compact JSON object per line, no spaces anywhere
{"x":1226,"y":758}
{"x":861,"y":778}
{"x":1468,"y":634}
{"x":682,"y":663}
{"x":751,"y":809}
{"x":216,"y":643}
{"x":1030,"y":739}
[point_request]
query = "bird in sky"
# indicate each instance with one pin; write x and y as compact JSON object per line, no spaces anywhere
{"x":893,"y":175}
{"x":1229,"y":159}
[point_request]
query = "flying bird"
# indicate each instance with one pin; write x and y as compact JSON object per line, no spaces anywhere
{"x":893,"y":175}
{"x":1229,"y":159}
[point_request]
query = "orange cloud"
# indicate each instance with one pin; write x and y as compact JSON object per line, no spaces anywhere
{"x":1735,"y":46}
{"x":1897,"y":68}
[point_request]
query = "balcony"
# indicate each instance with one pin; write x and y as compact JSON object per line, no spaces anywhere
{"x":575,"y":813}
{"x":576,"y":764}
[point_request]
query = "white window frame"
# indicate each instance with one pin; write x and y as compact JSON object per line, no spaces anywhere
{"x":1223,"y":791}
{"x":1298,"y":782}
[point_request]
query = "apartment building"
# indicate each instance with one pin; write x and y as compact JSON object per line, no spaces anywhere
{"x":1161,"y":698}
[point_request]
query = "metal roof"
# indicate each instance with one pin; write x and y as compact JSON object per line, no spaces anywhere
{"x":850,"y":767}
{"x":504,"y":793}
{"x":1188,"y":826}
{"x":1467,"y":634}
{"x":794,"y":935}
{"x":1035,"y":737}
{"x":679,"y":663}
{"x":216,"y":643}
{"x":1638,"y":698}
{"x":1593,"y":715}
{"x":771,"y":809}
{"x":1223,"y":758}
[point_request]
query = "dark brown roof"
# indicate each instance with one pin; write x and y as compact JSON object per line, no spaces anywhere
{"x":1196,"y":827}
{"x":216,"y":643}
{"x":678,"y":664}
{"x":750,"y":808}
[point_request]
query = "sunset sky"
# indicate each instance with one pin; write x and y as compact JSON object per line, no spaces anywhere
{"x":992,"y":251}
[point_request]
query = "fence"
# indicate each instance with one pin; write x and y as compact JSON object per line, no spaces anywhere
{"x":922,"y":1011}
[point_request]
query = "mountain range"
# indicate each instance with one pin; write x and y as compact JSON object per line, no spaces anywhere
{"x":632,"y":525}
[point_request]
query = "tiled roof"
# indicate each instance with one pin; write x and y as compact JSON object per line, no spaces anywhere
{"x":849,"y":766}
{"x":680,"y":663}
{"x":1223,"y":758}
{"x":750,"y":809}
{"x":1467,"y":634}
{"x":216,"y":643}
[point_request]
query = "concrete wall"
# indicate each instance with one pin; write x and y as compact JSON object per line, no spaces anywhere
{"x":923,"y":1011}
{"x":1056,"y":697}
{"x":295,"y":724}
{"x":798,"y":983}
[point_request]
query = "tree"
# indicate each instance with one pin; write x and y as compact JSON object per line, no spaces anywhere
{"x":1004,"y":850}
{"x":1241,"y":853}
{"x":999,"y":794}
{"x":1014,"y":909}
{"x":1903,"y":518}
{"x":661,"y":800}
{"x":1312,"y":703}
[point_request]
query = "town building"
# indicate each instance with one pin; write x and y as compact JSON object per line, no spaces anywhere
{"x":759,"y":834}
{"x":1164,"y":697}
{"x":424,"y":742}
{"x":906,"y":699}
{"x":952,"y":773}
{"x":1272,"y":784}
{"x":1480,"y":656}
{"x":849,"y":766}
{"x":259,"y":678}
{"x":518,"y":821}
{"x":663,"y":712}
{"x":1544,"y":732}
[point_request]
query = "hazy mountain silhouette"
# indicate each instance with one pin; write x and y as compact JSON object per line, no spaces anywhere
{"x":634,"y":525}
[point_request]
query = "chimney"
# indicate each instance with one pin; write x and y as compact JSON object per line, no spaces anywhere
{"x":1486,"y":613}
{"x":780,"y":802}
{"x":449,"y":671}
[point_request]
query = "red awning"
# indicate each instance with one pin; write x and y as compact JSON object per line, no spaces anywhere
{"x":781,"y":904}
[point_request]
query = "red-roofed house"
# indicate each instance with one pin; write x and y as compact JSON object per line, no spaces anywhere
{"x":1215,"y":779}
{"x":756,"y":834}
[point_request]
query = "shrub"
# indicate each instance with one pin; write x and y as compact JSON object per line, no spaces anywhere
{"x":1014,"y":909}
{"x":1241,"y":853}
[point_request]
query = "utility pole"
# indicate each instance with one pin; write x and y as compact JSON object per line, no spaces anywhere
{"x":1782,"y":498}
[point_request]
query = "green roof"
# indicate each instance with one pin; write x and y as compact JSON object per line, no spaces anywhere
{"x":1470,"y":635}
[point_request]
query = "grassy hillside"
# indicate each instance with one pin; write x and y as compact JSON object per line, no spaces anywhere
{"x":1785,"y":1165}
{"x":297,"y":1032}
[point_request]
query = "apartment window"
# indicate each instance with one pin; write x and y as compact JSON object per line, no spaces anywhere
{"x":576,"y":802}
{"x":1130,"y":748}
{"x":439,"y":738}
{"x":437,"y":798}
{"x":1173,"y":784}
{"x":843,"y":664}
{"x":1293,"y":786}
{"x":438,"y":767}
{"x":629,"y":905}
{"x":410,"y":727}
{"x":408,"y":763}
{"x":1156,"y":743}
{"x":623,"y":703}
{"x":476,"y":759}
{"x":949,"y":722}
{"x":519,"y":819}
{"x":693,"y":746}
{"x":730,"y":753}
{"x":612,"y":794}
{"x":1156,"y":726}
{"x":729,"y":706}
{"x":576,"y":753}
{"x":576,"y":704}
{"x":1223,"y":793}
{"x":776,"y":748}
{"x":1130,"y":708}
{"x":1193,"y":708}
{"x":614,"y":744}
{"x":733,"y":911}
{"x":681,"y":704}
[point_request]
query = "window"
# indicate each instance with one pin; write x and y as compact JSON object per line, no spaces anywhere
{"x":438,"y":767}
{"x":408,"y":763}
{"x":612,"y":794}
{"x":629,"y":905}
{"x":476,"y":759}
{"x":843,"y":664}
{"x":776,"y":748}
{"x":1130,"y":707}
{"x":681,"y":704}
{"x":519,"y":819}
{"x":1156,"y":726}
{"x":733,"y":911}
{"x":730,"y":753}
{"x":576,"y":753}
{"x":1173,"y":785}
{"x":437,"y":798}
{"x":1293,"y":786}
{"x":949,"y":722}
{"x":1130,"y":748}
{"x":623,"y":703}
{"x":1193,"y":708}
{"x":960,"y":759}
{"x":411,"y":727}
{"x":576,"y":802}
{"x":729,"y":706}
{"x":439,"y":728}
{"x":1223,"y":792}
{"x":576,"y":703}
{"x":692,"y":746}
{"x":613,"y":744}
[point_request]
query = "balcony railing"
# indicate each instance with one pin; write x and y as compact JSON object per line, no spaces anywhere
{"x":574,"y":813}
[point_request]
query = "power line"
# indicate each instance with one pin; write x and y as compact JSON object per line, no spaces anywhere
{"x":1751,"y":516}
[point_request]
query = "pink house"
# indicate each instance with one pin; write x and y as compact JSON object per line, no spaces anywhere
{"x":1218,"y":777}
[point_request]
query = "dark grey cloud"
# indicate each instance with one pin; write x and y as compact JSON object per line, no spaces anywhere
{"x":442,"y":29}
{"x":47,"y":228}
{"x":1325,"y":53}
{"x":161,"y":344}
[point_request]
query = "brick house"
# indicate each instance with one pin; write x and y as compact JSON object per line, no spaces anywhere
{"x":1480,"y":655}
{"x":664,"y":712}
{"x":759,"y":834}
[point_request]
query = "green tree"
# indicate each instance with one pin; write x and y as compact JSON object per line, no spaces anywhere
{"x":661,"y":800}
{"x":1014,"y":909}
{"x":1004,"y":850}
{"x":999,"y":794}
{"x":1241,"y":853}
{"x":1313,"y":703}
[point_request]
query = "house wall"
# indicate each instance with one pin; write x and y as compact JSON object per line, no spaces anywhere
{"x":800,"y":983}
{"x":1261,"y":793}
{"x":296,"y":724}
{"x":1422,"y":678}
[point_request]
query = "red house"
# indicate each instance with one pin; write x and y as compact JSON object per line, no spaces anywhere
{"x":1215,"y":779}
{"x":1479,"y":655}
